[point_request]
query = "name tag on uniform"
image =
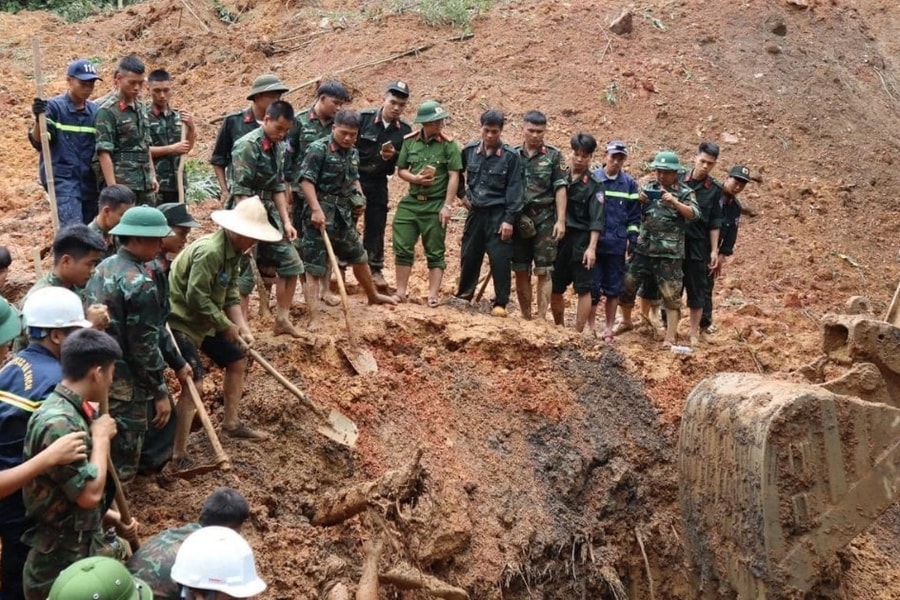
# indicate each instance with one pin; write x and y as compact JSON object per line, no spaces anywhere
{"x":601,"y":197}
{"x":223,"y":279}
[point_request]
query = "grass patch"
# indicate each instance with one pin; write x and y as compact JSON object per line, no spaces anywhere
{"x":440,"y":13}
{"x":199,"y":182}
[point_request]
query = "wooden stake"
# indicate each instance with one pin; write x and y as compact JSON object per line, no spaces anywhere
{"x":179,"y":175}
{"x":121,"y":503}
{"x":45,"y":138}
{"x":199,"y":20}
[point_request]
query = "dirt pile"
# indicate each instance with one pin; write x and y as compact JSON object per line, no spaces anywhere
{"x":543,"y":452}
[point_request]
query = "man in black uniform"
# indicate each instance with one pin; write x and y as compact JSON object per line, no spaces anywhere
{"x":381,"y":134}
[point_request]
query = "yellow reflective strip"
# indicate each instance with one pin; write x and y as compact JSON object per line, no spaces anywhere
{"x":19,"y":402}
{"x":76,"y":128}
{"x":634,"y":228}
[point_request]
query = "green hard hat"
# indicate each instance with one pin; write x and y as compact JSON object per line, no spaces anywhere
{"x":266,"y":83}
{"x":429,"y":111}
{"x":665,"y":161}
{"x":10,"y":322}
{"x":99,"y":578}
{"x":143,"y":221}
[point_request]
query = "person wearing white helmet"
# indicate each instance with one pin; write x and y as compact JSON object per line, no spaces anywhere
{"x":216,"y":563}
{"x":50,"y":315}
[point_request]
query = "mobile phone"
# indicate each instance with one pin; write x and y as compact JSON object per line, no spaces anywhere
{"x":428,"y":170}
{"x":387,"y":146}
{"x":652,"y":194}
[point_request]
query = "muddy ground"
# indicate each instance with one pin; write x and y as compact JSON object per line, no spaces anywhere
{"x":546,"y":455}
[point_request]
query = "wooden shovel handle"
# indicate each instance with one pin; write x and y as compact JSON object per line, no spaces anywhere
{"x":121,"y":503}
{"x":345,"y":303}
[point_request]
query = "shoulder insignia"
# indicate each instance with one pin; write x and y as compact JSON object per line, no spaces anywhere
{"x":472,"y":144}
{"x":412,"y":134}
{"x":368,"y":111}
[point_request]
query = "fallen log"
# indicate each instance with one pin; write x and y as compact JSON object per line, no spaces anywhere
{"x":406,"y":577}
{"x":396,"y":486}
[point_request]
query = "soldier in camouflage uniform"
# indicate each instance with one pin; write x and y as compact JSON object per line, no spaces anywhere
{"x":123,"y":135}
{"x":225,"y":507}
{"x":329,"y":177}
{"x":123,"y":283}
{"x":425,"y":211}
{"x":542,"y":223}
{"x":667,"y":207}
{"x":310,"y":125}
{"x":113,"y":202}
{"x":584,"y":221}
{"x":381,"y":135}
{"x":67,"y":503}
{"x":266,"y":89}
{"x":166,"y":146}
{"x":158,"y":443}
{"x":257,"y":163}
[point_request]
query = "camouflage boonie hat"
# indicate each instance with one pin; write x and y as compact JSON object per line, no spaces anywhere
{"x":666,"y":161}
{"x":739,"y":172}
{"x":429,"y":111}
{"x":143,"y":221}
{"x":266,"y":83}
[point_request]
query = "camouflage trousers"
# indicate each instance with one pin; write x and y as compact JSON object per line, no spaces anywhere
{"x":279,"y":258}
{"x":131,"y":421}
{"x":665,"y":273}
{"x":539,"y":249}
{"x":50,"y":554}
{"x":158,"y":443}
{"x":345,"y":240}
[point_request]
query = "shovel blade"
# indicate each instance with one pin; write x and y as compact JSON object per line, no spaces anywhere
{"x":362,"y":361}
{"x":340,"y":429}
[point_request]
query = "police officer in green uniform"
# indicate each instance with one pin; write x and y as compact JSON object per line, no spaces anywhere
{"x":543,"y":220}
{"x":123,"y":135}
{"x":67,"y":503}
{"x":123,"y":283}
{"x":166,"y":146}
{"x":430,"y":161}
{"x":266,"y":89}
{"x":329,"y":176}
{"x":667,"y":207}
{"x":494,"y":198}
{"x":257,"y":169}
{"x":381,"y":134}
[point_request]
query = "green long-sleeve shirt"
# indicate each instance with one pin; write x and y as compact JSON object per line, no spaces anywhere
{"x":202,"y":284}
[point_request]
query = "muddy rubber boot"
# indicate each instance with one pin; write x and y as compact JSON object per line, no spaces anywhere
{"x":543,"y":297}
{"x":265,"y":295}
{"x":283,"y":325}
{"x":523,"y":293}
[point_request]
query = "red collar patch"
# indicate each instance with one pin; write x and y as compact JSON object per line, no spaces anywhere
{"x":88,"y":410}
{"x":248,"y":117}
{"x":266,"y":144}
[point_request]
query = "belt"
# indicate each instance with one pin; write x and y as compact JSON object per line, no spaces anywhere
{"x":425,"y":197}
{"x":343,"y":201}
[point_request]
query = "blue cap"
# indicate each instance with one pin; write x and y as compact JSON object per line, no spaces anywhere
{"x":82,"y":69}
{"x":617,"y":147}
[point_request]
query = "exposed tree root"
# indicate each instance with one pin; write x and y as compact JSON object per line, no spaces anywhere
{"x":406,"y":577}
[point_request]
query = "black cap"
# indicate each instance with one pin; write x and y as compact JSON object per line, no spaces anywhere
{"x":398,"y":88}
{"x":739,"y":172}
{"x":177,"y":215}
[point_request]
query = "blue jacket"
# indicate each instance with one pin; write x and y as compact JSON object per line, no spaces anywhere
{"x":72,"y":142}
{"x":25,"y":381}
{"x":621,"y":214}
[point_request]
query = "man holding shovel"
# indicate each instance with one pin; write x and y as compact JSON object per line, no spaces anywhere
{"x":166,"y":144}
{"x":206,"y":312}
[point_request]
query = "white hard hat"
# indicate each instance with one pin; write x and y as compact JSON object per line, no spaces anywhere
{"x":218,"y":559}
{"x":54,"y":308}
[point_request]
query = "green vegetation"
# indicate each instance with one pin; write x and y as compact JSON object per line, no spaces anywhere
{"x":437,"y":13}
{"x":199,"y":182}
{"x":70,"y":10}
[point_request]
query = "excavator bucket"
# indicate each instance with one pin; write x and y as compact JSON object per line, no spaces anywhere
{"x":776,"y":476}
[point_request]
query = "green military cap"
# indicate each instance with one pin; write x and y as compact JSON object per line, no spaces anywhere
{"x":429,"y":111}
{"x":266,"y":83}
{"x":99,"y":578}
{"x":10,"y":322}
{"x":177,"y":215}
{"x":739,"y":172}
{"x":143,"y":221}
{"x":666,"y":161}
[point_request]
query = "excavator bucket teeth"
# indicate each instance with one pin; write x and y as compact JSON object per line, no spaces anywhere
{"x":776,"y":476}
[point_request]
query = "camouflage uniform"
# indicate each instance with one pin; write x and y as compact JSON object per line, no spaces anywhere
{"x":333,"y":171}
{"x":418,"y":213}
{"x":543,"y":173}
{"x":63,"y":532}
{"x":584,"y":214}
{"x":153,"y":562}
{"x":111,"y":243}
{"x":659,"y":250}
{"x":165,"y":129}
{"x":235,"y":126}
{"x":158,"y":443}
{"x":128,"y":289}
{"x":307,"y":129}
{"x":124,"y":132}
{"x":373,"y":174}
{"x":257,"y":167}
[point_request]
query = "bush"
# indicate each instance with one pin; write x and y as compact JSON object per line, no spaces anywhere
{"x":70,"y":10}
{"x":456,"y":13}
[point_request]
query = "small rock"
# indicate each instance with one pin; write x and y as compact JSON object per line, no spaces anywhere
{"x":622,"y":24}
{"x":773,"y":48}
{"x":792,"y":300}
{"x":730,"y":138}
{"x":798,"y":3}
{"x":778,"y":27}
{"x":749,"y":310}
{"x":325,"y":23}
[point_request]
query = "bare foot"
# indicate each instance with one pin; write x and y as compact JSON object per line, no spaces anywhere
{"x":383,"y":299}
{"x":285,"y":327}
